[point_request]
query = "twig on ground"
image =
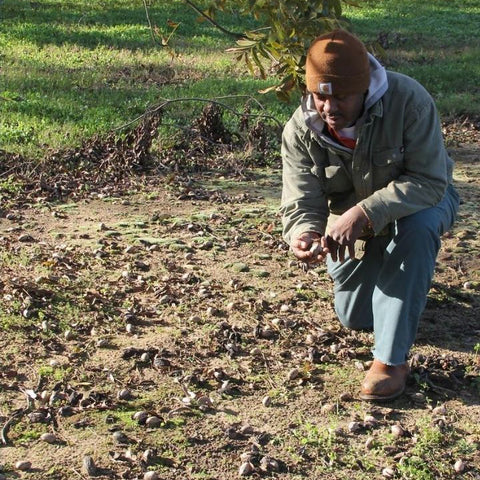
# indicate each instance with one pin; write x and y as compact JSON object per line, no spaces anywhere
{"x":78,"y":473}
{"x":178,"y":410}
{"x":269,"y":375}
{"x":4,"y":432}
{"x":438,"y":389}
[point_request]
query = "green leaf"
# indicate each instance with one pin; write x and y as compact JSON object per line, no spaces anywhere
{"x":258,"y":64}
{"x":286,"y":29}
{"x":243,"y":42}
{"x":268,"y":89}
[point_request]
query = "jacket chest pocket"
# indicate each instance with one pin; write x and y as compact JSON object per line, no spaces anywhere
{"x":336,"y":179}
{"x":388,"y":165}
{"x":332,"y":173}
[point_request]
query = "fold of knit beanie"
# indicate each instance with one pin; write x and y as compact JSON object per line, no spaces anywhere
{"x":337,"y":64}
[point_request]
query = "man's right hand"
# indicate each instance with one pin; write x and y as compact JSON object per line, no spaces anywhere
{"x":301,"y":247}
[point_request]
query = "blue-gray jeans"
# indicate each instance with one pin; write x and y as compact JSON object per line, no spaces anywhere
{"x":387,"y":289}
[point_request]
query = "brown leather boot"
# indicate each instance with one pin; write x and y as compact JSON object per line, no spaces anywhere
{"x":384,"y":382}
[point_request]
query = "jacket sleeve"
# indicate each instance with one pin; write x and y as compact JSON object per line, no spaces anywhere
{"x":304,"y":205}
{"x":424,"y":178}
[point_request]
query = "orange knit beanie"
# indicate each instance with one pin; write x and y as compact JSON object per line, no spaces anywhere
{"x":337,"y":64}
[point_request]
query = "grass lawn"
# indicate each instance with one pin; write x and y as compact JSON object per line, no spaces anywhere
{"x":70,"y":70}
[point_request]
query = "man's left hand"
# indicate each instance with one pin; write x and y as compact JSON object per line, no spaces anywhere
{"x":345,"y":231}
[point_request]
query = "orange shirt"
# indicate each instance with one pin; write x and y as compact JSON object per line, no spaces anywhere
{"x":346,"y":141}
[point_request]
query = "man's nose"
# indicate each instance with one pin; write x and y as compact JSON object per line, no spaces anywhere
{"x":330,"y":105}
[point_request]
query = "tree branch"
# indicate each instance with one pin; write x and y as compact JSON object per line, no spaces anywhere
{"x":213,"y":22}
{"x":149,"y":22}
{"x":166,"y":102}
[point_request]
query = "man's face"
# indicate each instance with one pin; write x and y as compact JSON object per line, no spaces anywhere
{"x":339,"y":111}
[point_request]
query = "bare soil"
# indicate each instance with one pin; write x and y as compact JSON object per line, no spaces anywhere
{"x":182,"y":296}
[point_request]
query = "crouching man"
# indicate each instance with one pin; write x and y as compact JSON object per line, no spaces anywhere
{"x":367,"y":177}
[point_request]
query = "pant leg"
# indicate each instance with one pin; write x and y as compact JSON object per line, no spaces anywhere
{"x":354,"y":283}
{"x":388,"y":288}
{"x":405,"y":278}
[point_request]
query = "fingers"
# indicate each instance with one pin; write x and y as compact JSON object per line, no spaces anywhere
{"x":351,"y":250}
{"x":311,"y":247}
{"x":301,"y":254}
{"x":304,"y":240}
{"x":319,"y":251}
{"x":332,"y":247}
{"x":301,"y":244}
{"x":300,"y":249}
{"x":337,"y":250}
{"x":310,"y":256}
{"x":307,"y":247}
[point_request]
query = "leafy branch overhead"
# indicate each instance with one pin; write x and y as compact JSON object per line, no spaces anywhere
{"x":286,"y":28}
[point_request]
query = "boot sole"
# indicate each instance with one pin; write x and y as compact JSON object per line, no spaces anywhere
{"x":381,"y":398}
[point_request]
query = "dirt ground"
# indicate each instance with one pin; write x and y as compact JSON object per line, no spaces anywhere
{"x":182,"y":304}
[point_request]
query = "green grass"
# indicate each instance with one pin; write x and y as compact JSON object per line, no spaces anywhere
{"x":9,"y":321}
{"x":70,"y":70}
{"x":436,"y":42}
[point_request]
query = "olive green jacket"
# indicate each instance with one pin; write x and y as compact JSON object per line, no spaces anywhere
{"x":399,"y":166}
